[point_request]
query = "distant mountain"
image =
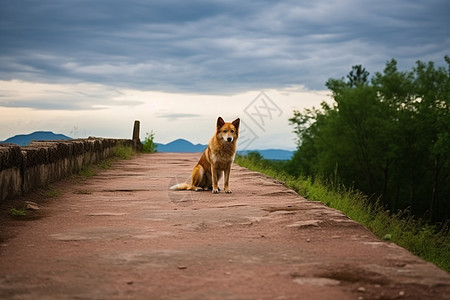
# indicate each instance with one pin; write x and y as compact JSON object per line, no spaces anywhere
{"x":183,"y":146}
{"x":25,"y":139}
{"x":180,"y":145}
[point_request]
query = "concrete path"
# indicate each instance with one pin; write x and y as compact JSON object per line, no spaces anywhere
{"x":123,"y":235}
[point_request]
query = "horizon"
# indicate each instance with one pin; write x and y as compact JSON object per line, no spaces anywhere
{"x":264,"y":120}
{"x":91,"y":70}
{"x":142,"y":141}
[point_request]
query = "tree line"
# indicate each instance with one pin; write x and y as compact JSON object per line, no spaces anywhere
{"x":387,"y":135}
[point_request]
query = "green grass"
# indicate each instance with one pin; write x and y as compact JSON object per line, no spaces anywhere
{"x":430,"y":242}
{"x":105,"y":164}
{"x":52,"y":192}
{"x":83,"y":192}
{"x":86,"y":171}
{"x":14,"y":212}
{"x":124,"y":152}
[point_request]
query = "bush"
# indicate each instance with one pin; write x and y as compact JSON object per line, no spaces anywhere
{"x":149,"y":145}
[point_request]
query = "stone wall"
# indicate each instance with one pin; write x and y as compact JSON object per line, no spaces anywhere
{"x":23,"y":169}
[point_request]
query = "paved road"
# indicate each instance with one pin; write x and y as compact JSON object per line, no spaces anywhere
{"x":123,"y":235}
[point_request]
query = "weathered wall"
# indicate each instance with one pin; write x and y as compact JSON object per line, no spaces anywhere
{"x":23,"y":169}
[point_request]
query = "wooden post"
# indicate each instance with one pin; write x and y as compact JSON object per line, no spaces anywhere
{"x":136,"y":139}
{"x":136,"y":130}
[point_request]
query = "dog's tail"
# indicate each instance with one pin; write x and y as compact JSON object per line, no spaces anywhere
{"x":181,"y":186}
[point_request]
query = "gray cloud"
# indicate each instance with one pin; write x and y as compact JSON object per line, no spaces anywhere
{"x":176,"y":116}
{"x":215,"y":46}
{"x":82,"y":96}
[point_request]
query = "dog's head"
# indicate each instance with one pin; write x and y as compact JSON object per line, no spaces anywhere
{"x":227,"y":132}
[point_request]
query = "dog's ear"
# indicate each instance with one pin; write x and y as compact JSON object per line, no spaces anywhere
{"x":220,"y":122}
{"x":236,"y":123}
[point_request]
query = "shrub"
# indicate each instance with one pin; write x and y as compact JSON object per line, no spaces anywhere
{"x":149,"y":145}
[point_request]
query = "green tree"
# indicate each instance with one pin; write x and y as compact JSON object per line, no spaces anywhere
{"x":358,"y":76}
{"x":388,"y":137}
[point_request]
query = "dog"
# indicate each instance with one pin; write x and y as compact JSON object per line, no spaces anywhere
{"x":216,"y":160}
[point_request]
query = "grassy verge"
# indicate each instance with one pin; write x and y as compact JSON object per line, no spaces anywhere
{"x":429,"y":242}
{"x":120,"y":152}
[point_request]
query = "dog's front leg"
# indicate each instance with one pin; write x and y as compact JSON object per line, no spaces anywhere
{"x":227,"y":180}
{"x":214,"y":175}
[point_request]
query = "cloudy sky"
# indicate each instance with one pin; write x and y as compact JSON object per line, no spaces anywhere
{"x":90,"y":68}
